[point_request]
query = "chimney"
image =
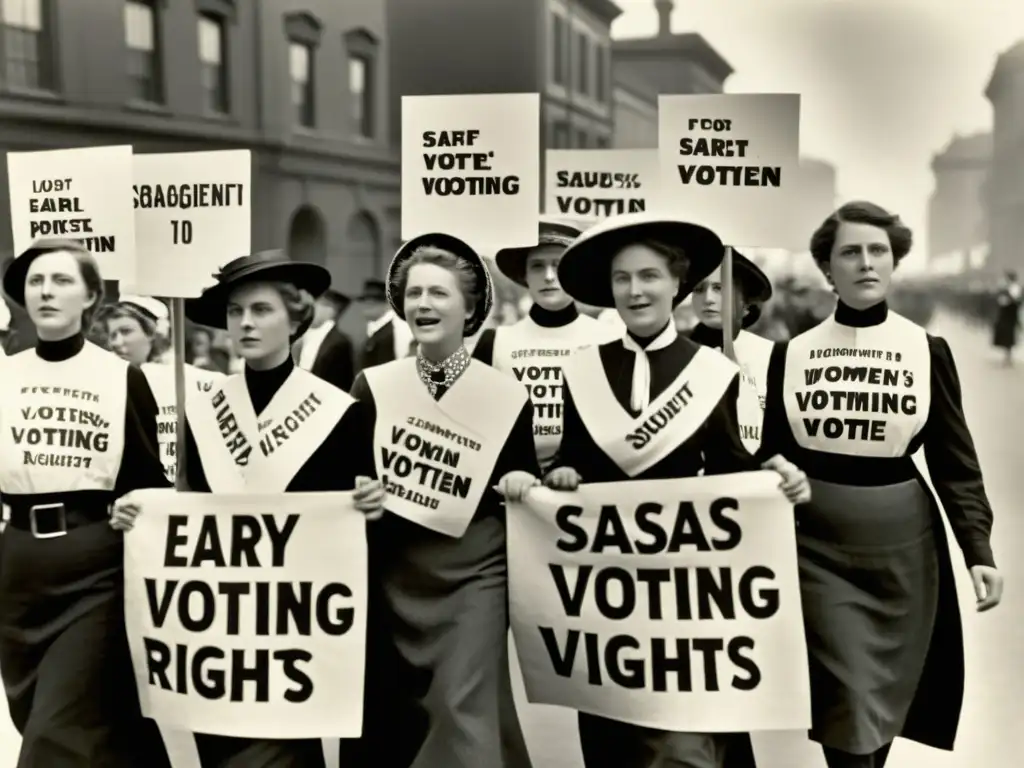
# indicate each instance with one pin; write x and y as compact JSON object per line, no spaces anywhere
{"x":665,"y":8}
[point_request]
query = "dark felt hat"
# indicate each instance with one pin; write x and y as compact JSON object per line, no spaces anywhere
{"x":512,"y":261}
{"x":17,"y":271}
{"x":585,"y":268}
{"x":461,"y":250}
{"x":340,"y":300}
{"x":757,"y":288}
{"x":373,"y":290}
{"x":210,"y":309}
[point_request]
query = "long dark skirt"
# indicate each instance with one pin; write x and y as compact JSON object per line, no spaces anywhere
{"x":869,"y":578}
{"x":1004,"y":330}
{"x":614,"y":744}
{"x":64,"y":654}
{"x":449,"y":607}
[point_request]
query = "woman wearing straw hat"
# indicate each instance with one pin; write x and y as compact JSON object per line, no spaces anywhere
{"x":853,"y":399}
{"x":454,"y":437}
{"x":643,"y":266}
{"x":532,"y":349}
{"x":751,"y":289}
{"x":79,"y":430}
{"x":265,"y":301}
{"x":131,"y":328}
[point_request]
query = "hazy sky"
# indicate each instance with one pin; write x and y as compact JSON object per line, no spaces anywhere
{"x":884,"y":85}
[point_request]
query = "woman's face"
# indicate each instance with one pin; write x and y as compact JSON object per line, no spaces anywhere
{"x":643,"y":289}
{"x":542,"y":278}
{"x":128,"y":340}
{"x":708,"y":305}
{"x":201,"y":344}
{"x":861,"y":264}
{"x":56,"y":294}
{"x":258,"y":322}
{"x":434,"y":305}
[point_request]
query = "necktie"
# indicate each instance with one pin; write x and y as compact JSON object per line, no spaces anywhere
{"x":640,"y":395}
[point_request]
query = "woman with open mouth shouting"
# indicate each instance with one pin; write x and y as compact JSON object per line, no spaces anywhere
{"x":131,"y":326}
{"x":275,"y":428}
{"x":453,"y":438}
{"x":644,"y":266}
{"x":79,"y":430}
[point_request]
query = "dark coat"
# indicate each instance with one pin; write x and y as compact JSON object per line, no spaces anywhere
{"x":335,"y":360}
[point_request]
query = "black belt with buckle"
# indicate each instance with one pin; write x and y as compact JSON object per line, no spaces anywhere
{"x":50,"y":520}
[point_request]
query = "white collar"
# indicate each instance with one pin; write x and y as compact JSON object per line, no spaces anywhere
{"x":640,"y":394}
{"x":375,"y":325}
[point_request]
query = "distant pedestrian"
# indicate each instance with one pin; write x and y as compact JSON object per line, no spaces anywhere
{"x":1007,"y":320}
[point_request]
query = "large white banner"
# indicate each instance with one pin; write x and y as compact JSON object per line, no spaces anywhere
{"x":670,"y":604}
{"x":246,"y":614}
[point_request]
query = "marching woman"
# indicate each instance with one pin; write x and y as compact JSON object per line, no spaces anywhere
{"x":850,"y":401}
{"x":532,"y":349}
{"x":131,"y":326}
{"x":751,"y":289}
{"x":652,"y":405}
{"x":287,"y":431}
{"x":453,"y":436}
{"x":77,"y":430}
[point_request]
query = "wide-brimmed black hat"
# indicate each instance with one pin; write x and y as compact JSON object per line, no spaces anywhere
{"x":757,"y":288}
{"x":585,"y":268}
{"x":458,"y":248}
{"x":17,"y":271}
{"x":210,"y":309}
{"x":512,"y":261}
{"x":373,"y":290}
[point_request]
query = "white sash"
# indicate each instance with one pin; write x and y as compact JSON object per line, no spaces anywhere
{"x":753,"y":354}
{"x":161,"y":382}
{"x":637,"y":444}
{"x":858,"y":391}
{"x":436,"y":458}
{"x":243,"y":455}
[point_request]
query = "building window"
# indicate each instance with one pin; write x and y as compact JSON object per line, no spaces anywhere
{"x":26,"y":45}
{"x":361,"y":45}
{"x":583,"y":68}
{"x":558,"y":39}
{"x":359,"y":92}
{"x":560,"y":135}
{"x":601,"y":73}
{"x":300,"y":66}
{"x":582,"y":139}
{"x":603,"y":142}
{"x":213,"y":40}
{"x":303,"y":31}
{"x":142,"y":38}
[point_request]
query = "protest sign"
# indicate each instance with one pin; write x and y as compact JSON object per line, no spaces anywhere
{"x":471,"y":167}
{"x":77,"y":194}
{"x":732,"y":163}
{"x":597,"y":183}
{"x":670,"y":604}
{"x":193,"y":214}
{"x":246,"y":615}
